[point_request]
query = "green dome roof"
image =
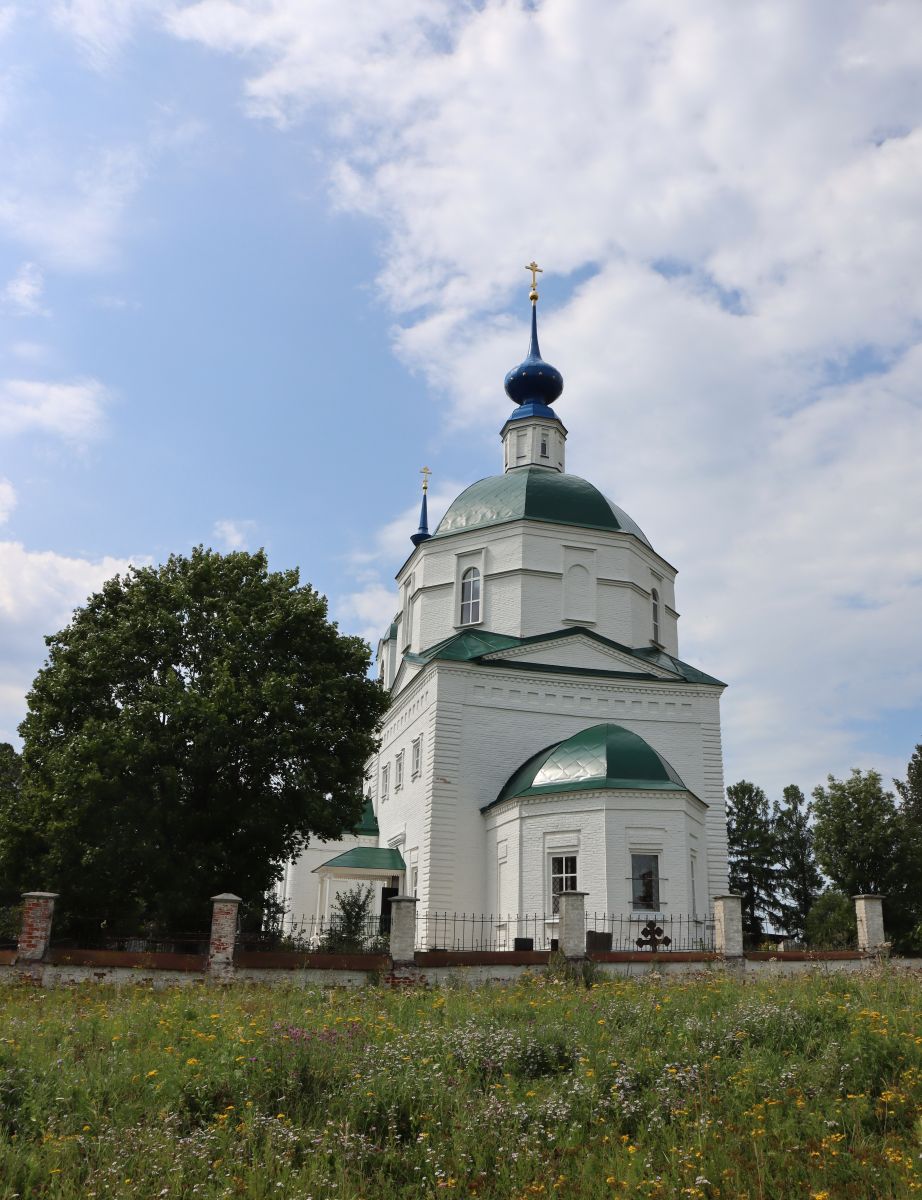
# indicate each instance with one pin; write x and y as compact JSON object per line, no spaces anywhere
{"x":536,"y":494}
{"x":603,"y":756}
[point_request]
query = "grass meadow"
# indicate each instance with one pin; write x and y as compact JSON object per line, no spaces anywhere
{"x":709,"y":1087}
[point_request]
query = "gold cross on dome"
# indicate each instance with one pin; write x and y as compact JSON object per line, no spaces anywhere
{"x":425,"y":472}
{"x":535,"y":272}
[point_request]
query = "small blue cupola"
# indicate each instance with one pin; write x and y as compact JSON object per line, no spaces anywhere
{"x":534,"y":384}
{"x":422,"y":534}
{"x":533,"y":435}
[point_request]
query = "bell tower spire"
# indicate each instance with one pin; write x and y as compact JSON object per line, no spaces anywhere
{"x":534,"y":436}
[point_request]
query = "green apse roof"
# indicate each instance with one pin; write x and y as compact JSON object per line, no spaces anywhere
{"x":603,"y":756}
{"x":535,"y":494}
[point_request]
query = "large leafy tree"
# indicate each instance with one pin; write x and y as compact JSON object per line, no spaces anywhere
{"x":752,"y":855}
{"x":865,"y":844}
{"x":799,"y":881}
{"x":193,"y":726}
{"x":857,"y":834}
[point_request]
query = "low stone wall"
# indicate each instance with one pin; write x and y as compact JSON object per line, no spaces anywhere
{"x":428,"y":969}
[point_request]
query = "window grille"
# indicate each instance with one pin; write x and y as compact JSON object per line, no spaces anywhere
{"x":645,"y":882}
{"x":563,"y":877}
{"x":470,"y":596}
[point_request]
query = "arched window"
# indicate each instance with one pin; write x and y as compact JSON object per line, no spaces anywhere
{"x":470,"y":596}
{"x":654,"y":596}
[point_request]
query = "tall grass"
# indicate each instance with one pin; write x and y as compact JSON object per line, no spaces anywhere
{"x":704,"y":1088}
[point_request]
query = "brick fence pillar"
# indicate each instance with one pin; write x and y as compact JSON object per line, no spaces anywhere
{"x":869,"y":913}
{"x":223,"y":935}
{"x":728,"y":925}
{"x":571,"y":932}
{"x":403,"y":929}
{"x":35,"y":931}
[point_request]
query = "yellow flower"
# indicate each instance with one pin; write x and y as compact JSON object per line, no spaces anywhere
{"x":191,"y":1062}
{"x":151,"y":1074}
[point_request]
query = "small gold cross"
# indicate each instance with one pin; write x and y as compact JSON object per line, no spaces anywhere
{"x":535,"y":272}
{"x":425,"y":472}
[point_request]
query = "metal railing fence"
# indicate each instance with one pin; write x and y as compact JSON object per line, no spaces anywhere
{"x":478,"y":931}
{"x":641,"y":931}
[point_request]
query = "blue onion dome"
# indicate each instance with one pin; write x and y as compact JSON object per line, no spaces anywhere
{"x":533,"y":381}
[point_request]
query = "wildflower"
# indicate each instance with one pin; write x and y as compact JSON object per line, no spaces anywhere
{"x":151,"y":1074}
{"x":191,"y":1062}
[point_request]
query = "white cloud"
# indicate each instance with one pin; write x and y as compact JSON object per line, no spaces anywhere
{"x":233,"y":534}
{"x":740,"y":188}
{"x":22,"y":295}
{"x":7,"y":500}
{"x":70,"y":211}
{"x":102,"y":28}
{"x":73,"y":411}
{"x":38,"y":592}
{"x":29,"y":351}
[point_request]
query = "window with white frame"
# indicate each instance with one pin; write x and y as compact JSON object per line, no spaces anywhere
{"x":470,"y":596}
{"x":416,"y":756}
{"x":414,"y":881}
{"x":562,"y":874}
{"x":398,"y":771}
{"x":645,"y":882}
{"x":385,"y":780}
{"x":543,"y":446}
{"x":654,"y":599}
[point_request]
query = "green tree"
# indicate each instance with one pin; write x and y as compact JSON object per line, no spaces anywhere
{"x":193,"y":725}
{"x":752,"y":855}
{"x":856,"y":833}
{"x":799,"y":880}
{"x":831,"y":923}
{"x":910,"y":788}
{"x":910,"y":824}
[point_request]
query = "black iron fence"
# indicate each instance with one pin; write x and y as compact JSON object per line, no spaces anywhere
{"x":477,"y":931}
{"x":640,"y":931}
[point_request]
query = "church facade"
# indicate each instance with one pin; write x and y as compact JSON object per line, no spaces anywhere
{"x":544,"y":735}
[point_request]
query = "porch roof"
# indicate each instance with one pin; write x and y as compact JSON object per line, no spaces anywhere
{"x":367,"y":860}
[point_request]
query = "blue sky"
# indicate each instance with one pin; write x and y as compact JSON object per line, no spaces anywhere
{"x":260,"y":260}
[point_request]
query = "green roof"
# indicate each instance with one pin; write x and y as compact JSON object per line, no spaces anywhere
{"x":603,"y":756}
{"x":535,"y":494}
{"x":474,"y":645}
{"x":368,"y":823}
{"x":367,"y":858}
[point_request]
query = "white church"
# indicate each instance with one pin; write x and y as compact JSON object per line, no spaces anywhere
{"x":543,"y":734}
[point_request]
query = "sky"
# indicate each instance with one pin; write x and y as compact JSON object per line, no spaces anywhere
{"x":262,"y":260}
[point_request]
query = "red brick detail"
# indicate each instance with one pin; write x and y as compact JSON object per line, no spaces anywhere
{"x":223,"y":934}
{"x":404,"y":978}
{"x":35,"y":932}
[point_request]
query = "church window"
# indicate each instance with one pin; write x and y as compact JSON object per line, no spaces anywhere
{"x":398,"y":771}
{"x":654,"y":597}
{"x":385,"y":781}
{"x":645,"y":882}
{"x":563,"y":877}
{"x":470,"y":596}
{"x":544,"y":445}
{"x":416,"y":756}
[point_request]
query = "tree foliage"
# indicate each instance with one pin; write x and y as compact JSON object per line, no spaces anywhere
{"x":831,"y":923}
{"x":752,"y":855}
{"x":857,"y":833}
{"x":193,"y":725}
{"x":799,"y":882}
